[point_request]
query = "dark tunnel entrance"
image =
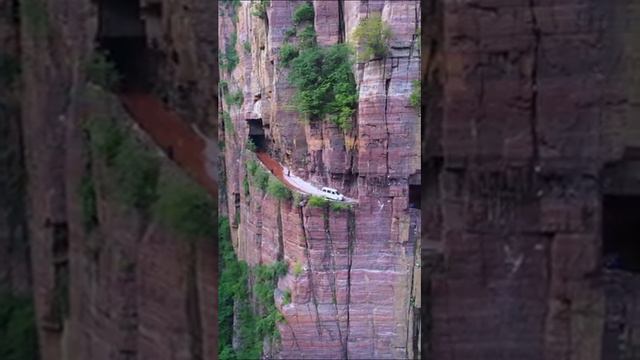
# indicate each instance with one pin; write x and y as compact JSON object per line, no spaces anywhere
{"x":122,"y":35}
{"x":256,"y":134}
{"x":414,"y":196}
{"x":620,"y":229}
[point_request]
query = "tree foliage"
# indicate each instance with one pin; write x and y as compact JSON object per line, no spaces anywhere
{"x":304,"y":12}
{"x":325,"y":84}
{"x":373,"y":34}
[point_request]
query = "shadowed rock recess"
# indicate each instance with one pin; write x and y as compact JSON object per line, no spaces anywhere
{"x":107,"y":245}
{"x":350,"y":288}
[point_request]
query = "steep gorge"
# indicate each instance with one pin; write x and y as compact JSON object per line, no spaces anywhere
{"x":352,"y":289}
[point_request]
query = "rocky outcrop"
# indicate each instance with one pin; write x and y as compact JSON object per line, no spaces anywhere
{"x":532,"y":121}
{"x":353,"y":275}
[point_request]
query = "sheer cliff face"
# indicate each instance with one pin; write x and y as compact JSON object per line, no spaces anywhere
{"x":538,"y":131}
{"x":129,"y":288}
{"x":356,"y":290}
{"x":14,"y":265}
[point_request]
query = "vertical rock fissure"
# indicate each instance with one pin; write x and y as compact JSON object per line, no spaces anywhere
{"x":280,"y":255}
{"x":533,"y":117}
{"x":329,"y":251}
{"x":411,"y":298}
{"x":306,"y":253}
{"x":351,"y":236}
{"x":193,"y":304}
{"x":387,"y":82}
{"x":341,"y":29}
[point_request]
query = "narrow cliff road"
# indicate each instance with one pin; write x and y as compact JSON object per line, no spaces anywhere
{"x":185,"y":145}
{"x":292,"y":181}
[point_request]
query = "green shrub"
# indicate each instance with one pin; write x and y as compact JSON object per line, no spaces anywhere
{"x":415,"y":98}
{"x":135,"y":168}
{"x":304,"y":12}
{"x":296,"y":198}
{"x":276,"y":189}
{"x":374,"y":35}
{"x":260,"y":9}
{"x":185,"y":207}
{"x":105,"y":137}
{"x":36,"y":16}
{"x":102,"y":71}
{"x":235,"y":98}
{"x":247,"y":46}
{"x":307,"y":37}
{"x":325,"y":84}
{"x":289,"y":33}
{"x":318,"y":201}
{"x":228,"y":124}
{"x":286,"y":297}
{"x":261,"y":178}
{"x":89,"y":203}
{"x":252,"y":167}
{"x":232,"y":287}
{"x":338,"y":206}
{"x":137,"y":171}
{"x":297,"y":269}
{"x":245,"y":186}
{"x":251,"y":146}
{"x":224,"y":86}
{"x":288,"y":52}
{"x":9,"y":69}
{"x":18,"y":331}
{"x":230,"y":59}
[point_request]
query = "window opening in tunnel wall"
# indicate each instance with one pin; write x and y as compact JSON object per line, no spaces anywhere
{"x":620,"y":230}
{"x":122,"y":35}
{"x":414,"y":196}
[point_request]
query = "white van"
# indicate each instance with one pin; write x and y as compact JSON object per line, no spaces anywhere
{"x":332,"y":194}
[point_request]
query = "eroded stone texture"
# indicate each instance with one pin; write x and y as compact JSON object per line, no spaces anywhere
{"x":534,"y":110}
{"x":135,"y":289}
{"x":356,"y":291}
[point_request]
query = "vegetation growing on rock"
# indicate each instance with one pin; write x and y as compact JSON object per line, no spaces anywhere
{"x":276,"y":189}
{"x":18,"y":332}
{"x":233,"y":288}
{"x":304,"y":12}
{"x":325,"y":84}
{"x":184,"y":206}
{"x":229,"y":59}
{"x":373,"y":34}
{"x":415,"y":98}
{"x":102,"y":71}
{"x":260,"y":8}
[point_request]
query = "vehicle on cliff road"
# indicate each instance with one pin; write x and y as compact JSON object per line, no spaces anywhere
{"x":332,"y":194}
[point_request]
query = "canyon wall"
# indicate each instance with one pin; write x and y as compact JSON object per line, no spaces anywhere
{"x":131,"y":287}
{"x":532,"y":148}
{"x":353,"y":275}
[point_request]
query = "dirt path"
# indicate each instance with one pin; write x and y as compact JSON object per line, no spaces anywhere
{"x":181,"y":143}
{"x":292,"y":181}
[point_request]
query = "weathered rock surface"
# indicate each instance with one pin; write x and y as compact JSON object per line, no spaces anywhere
{"x":533,"y":113}
{"x":354,"y":293}
{"x":135,"y":289}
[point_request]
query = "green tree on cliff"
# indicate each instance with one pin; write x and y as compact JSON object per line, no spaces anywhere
{"x":373,"y":35}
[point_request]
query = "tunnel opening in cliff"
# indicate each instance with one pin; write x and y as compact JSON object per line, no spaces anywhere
{"x":122,"y":35}
{"x":620,"y":229}
{"x":257,"y":135}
